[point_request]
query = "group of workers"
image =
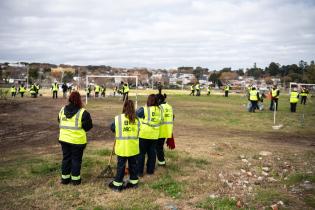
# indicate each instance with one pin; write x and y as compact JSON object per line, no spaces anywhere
{"x":34,"y":90}
{"x":196,"y":88}
{"x":254,"y":97}
{"x":139,"y":135}
{"x":101,"y":90}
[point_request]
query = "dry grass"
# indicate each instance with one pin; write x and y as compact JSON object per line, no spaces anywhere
{"x":211,"y":133}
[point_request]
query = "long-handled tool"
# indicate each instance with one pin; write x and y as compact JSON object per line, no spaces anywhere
{"x":275,"y":127}
{"x":108,"y":171}
{"x":302,"y":116}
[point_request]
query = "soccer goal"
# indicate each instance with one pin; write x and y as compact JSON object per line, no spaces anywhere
{"x":299,"y":86}
{"x":113,"y":82}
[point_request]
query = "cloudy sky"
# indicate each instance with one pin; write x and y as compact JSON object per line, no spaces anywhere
{"x":158,"y":33}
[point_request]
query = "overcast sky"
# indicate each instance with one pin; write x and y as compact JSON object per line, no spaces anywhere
{"x":158,"y":33}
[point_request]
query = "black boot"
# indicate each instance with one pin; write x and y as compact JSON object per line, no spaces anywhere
{"x":76,"y":182}
{"x":115,"y":188}
{"x":65,"y":181}
{"x":131,"y":186}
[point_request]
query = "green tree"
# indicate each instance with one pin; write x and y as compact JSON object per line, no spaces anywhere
{"x":33,"y":73}
{"x":67,"y":76}
{"x":273,"y":69}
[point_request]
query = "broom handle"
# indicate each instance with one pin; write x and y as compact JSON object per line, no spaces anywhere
{"x":274,"y":113}
{"x":111,"y":154}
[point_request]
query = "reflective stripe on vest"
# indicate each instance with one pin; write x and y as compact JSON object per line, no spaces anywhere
{"x":150,"y":124}
{"x":253,"y":95}
{"x":71,"y":130}
{"x":166,"y":128}
{"x":127,"y":136}
{"x":294,"y":97}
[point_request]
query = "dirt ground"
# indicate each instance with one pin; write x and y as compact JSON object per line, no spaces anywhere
{"x":218,"y":158}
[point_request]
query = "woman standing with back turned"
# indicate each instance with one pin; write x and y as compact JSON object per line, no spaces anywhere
{"x":74,"y":122}
{"x":126,"y":127}
{"x":150,"y":117}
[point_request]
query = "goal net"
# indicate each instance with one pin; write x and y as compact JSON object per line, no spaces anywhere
{"x":299,"y":86}
{"x":112,"y":86}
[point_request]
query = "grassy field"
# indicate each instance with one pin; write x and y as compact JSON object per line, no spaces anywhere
{"x":217,"y":163}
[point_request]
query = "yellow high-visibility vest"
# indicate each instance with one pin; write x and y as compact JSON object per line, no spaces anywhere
{"x":32,"y":89}
{"x":294,"y":97}
{"x":22,"y":89}
{"x":127,"y":136}
{"x":55,"y":87}
{"x":126,"y":88}
{"x":197,"y":87}
{"x":97,"y":88}
{"x":253,"y":95}
{"x":71,"y":130}
{"x":227,"y":88}
{"x":13,"y":90}
{"x":192,"y":87}
{"x":304,"y":93}
{"x":274,"y":93}
{"x":166,"y":127}
{"x":150,"y":125}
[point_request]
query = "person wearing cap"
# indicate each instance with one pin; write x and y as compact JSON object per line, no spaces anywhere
{"x":294,"y":99}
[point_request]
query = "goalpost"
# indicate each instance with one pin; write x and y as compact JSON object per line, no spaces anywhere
{"x":107,"y":76}
{"x":310,"y":87}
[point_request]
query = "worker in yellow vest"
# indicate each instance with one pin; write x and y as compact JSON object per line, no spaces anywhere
{"x":166,"y":129}
{"x":55,"y":88}
{"x":125,"y":91}
{"x":209,"y":90}
{"x":275,"y":92}
{"x":294,"y":99}
{"x":253,"y":98}
{"x":37,"y":88}
{"x":126,"y":127}
{"x":192,"y":89}
{"x":150,"y":118}
{"x":97,"y":90}
{"x":74,"y":122}
{"x":22,"y":90}
{"x":13,"y":91}
{"x":103,"y":91}
{"x":33,"y":91}
{"x":304,"y":93}
{"x":197,"y":87}
{"x":226,"y":90}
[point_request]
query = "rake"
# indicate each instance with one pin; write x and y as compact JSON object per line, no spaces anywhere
{"x":275,"y":127}
{"x":108,"y":171}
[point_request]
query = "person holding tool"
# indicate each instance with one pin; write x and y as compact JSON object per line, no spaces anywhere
{"x":74,"y":122}
{"x":275,"y":92}
{"x":126,"y":127}
{"x":192,"y":89}
{"x":294,"y":99}
{"x":304,"y":93}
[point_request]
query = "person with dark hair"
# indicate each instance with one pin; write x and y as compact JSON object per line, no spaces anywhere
{"x":97,"y":90}
{"x":304,"y":93}
{"x":55,"y":88}
{"x":13,"y":91}
{"x":166,"y":129}
{"x":294,"y":99}
{"x":74,"y":122}
{"x":103,"y":90}
{"x":22,"y":90}
{"x":88,"y":91}
{"x":126,"y":127}
{"x":159,"y":87}
{"x":192,"y":89}
{"x":197,"y":87}
{"x":253,"y":98}
{"x":64,"y":89}
{"x":226,"y":90}
{"x":150,"y":118}
{"x":275,"y":92}
{"x":33,"y":91}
